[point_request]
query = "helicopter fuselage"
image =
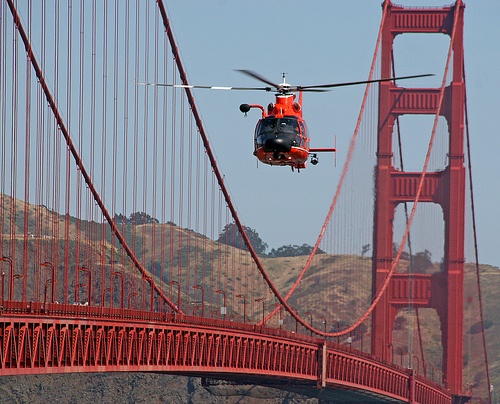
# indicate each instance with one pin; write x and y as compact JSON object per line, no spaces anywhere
{"x":281,"y":135}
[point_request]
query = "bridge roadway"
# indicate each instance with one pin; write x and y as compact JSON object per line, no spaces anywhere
{"x":58,"y":338}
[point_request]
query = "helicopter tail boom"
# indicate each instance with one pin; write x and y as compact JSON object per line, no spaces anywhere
{"x":324,"y":149}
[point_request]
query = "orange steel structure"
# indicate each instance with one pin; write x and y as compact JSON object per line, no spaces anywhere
{"x":444,"y":291}
{"x":64,"y":338}
{"x":42,"y":332}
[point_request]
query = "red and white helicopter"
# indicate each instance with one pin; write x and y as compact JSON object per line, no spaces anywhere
{"x":281,"y":137}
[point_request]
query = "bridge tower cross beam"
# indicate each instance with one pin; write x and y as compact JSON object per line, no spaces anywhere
{"x":446,"y":188}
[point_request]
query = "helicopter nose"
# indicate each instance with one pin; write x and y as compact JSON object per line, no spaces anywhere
{"x":279,"y":144}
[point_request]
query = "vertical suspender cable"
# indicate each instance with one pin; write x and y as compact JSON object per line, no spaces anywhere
{"x":64,"y":131}
{"x":345,"y":170}
{"x":26,"y":161}
{"x":13,"y":161}
{"x":215,"y":168}
{"x":410,"y":251}
{"x":67,"y":198}
{"x":154,"y":157}
{"x":115,"y":129}
{"x":476,"y":253}
{"x":126,"y":134}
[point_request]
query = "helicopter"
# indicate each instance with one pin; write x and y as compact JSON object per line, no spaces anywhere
{"x":281,"y":137}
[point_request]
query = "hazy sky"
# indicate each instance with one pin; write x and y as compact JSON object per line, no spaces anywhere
{"x":318,"y":42}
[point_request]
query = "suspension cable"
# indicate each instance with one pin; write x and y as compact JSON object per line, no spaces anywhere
{"x":410,"y":252}
{"x":78,"y":160}
{"x":420,"y":185}
{"x":476,"y":253}
{"x":345,"y":170}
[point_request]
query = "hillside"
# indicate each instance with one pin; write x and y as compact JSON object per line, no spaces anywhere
{"x":107,"y":388}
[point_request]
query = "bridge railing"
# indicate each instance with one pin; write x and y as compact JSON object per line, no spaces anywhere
{"x":344,"y":365}
{"x":89,"y":342}
{"x":347,"y":370}
{"x":122,"y":314}
{"x":59,"y":310}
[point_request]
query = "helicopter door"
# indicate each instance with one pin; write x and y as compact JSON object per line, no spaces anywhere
{"x":304,"y":140}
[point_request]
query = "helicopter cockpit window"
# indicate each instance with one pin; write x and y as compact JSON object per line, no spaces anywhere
{"x":303,"y":134}
{"x":277,"y":127}
{"x":268,"y":125}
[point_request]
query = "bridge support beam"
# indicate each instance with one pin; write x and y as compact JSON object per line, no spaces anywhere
{"x":446,"y":188}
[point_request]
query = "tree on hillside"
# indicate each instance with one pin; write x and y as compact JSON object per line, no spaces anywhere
{"x":120,"y":219}
{"x":135,"y":218}
{"x":142,"y":218}
{"x":365,"y":249}
{"x":230,"y":235}
{"x":404,"y":255}
{"x":422,"y":261}
{"x":293,"y":251}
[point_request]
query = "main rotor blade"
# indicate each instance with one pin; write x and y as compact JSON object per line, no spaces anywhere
{"x":309,"y":90}
{"x":205,"y":87}
{"x":258,"y":77}
{"x":353,"y":83}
